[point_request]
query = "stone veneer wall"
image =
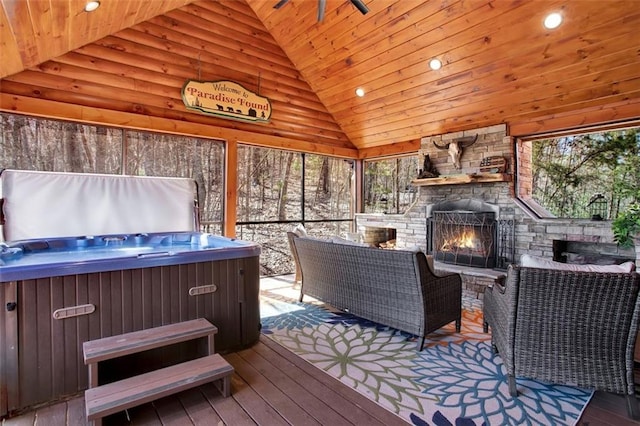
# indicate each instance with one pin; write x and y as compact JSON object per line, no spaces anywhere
{"x":532,"y":235}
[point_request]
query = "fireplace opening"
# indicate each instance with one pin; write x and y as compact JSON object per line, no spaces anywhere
{"x":585,"y":252}
{"x":379,"y":237}
{"x":464,"y":237}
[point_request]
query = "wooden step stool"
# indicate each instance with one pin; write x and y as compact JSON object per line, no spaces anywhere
{"x":100,"y":401}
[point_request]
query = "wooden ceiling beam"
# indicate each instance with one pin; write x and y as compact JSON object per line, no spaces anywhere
{"x":304,"y":14}
{"x":233,"y":11}
{"x":162,"y":48}
{"x":392,"y":149}
{"x":185,"y":29}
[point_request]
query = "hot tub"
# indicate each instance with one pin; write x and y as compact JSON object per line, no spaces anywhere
{"x":56,"y":293}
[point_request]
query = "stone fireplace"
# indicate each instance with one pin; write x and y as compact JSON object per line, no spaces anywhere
{"x":516,"y":231}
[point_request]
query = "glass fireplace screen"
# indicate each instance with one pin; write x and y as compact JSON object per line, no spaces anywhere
{"x":464,"y":238}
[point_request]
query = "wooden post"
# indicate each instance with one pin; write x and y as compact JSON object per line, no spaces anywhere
{"x":231,"y":189}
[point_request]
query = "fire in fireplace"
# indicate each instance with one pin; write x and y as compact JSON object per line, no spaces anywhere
{"x":464,"y":237}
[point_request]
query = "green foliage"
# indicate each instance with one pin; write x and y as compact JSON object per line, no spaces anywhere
{"x":569,"y":171}
{"x":627,"y":225}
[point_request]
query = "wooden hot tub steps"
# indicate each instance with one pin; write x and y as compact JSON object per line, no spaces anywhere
{"x":113,"y":397}
{"x":117,"y":396}
{"x":150,"y":338}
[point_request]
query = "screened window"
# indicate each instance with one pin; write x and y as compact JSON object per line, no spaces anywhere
{"x":29,"y":143}
{"x":387,"y":184}
{"x":589,"y":176}
{"x":272,"y":183}
{"x":269,"y":185}
{"x":278,"y":190}
{"x":149,"y":154}
{"x":327,"y":187}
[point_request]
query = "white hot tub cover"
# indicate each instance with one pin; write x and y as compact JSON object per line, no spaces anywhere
{"x":52,"y":204}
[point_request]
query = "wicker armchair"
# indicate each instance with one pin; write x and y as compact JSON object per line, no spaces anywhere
{"x":294,"y":254}
{"x":392,"y":287}
{"x":566,"y":327}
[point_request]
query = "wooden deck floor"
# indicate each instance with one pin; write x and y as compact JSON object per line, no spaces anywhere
{"x":272,"y":386}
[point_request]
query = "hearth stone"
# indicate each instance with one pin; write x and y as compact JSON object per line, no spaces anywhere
{"x":474,"y":280}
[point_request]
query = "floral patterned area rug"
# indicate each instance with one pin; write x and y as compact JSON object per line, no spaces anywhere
{"x":455,"y":380}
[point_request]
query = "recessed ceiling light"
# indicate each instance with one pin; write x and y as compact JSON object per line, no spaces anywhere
{"x":91,"y":6}
{"x":553,"y":20}
{"x":435,"y":64}
{"x":360,"y":91}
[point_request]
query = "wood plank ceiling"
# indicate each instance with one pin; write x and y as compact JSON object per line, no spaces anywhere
{"x":125,"y":65}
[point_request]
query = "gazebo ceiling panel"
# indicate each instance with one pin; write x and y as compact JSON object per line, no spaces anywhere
{"x":141,"y":69}
{"x":34,"y":31}
{"x":500,"y":65}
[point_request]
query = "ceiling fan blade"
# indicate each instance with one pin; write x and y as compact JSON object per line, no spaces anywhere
{"x":321,"y":6}
{"x":360,"y":6}
{"x":280,"y":4}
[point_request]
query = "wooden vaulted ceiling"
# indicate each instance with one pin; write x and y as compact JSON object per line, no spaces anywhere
{"x":125,"y":65}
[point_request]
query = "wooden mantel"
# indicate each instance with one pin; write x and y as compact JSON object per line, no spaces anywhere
{"x":462,"y":179}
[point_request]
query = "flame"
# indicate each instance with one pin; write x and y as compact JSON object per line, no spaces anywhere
{"x":467,"y":239}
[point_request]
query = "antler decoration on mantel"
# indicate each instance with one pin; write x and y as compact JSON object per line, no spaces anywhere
{"x":456,"y":147}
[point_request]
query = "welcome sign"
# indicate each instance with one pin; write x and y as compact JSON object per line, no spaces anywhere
{"x":226,"y":99}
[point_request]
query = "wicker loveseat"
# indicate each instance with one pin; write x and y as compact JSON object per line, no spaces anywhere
{"x":392,"y":287}
{"x":566,"y":327}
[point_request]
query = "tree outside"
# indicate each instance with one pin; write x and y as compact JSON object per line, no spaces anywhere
{"x":595,"y":175}
{"x":387,"y":184}
{"x":278,"y":190}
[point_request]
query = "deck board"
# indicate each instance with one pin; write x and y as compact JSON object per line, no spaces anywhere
{"x":606,"y":409}
{"x":353,"y":406}
{"x":253,"y":403}
{"x":145,"y":415}
{"x":229,"y":410}
{"x":294,"y":381}
{"x":273,"y":386}
{"x":198,"y":408}
{"x":287,"y":408}
{"x":324,"y":399}
{"x":75,"y":411}
{"x":171,"y":412}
